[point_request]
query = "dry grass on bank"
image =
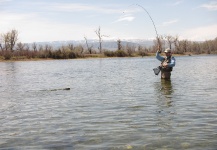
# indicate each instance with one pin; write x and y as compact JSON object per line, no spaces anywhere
{"x":85,"y":56}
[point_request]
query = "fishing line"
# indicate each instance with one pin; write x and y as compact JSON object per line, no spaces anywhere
{"x":151,"y":20}
{"x":149,"y":17}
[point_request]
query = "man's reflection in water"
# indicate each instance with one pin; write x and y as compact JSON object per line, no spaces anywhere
{"x":166,"y":90}
{"x":164,"y":93}
{"x":166,"y":87}
{"x":166,"y":108}
{"x":166,"y":111}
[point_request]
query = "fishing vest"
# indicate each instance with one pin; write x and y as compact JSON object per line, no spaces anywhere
{"x":166,"y":69}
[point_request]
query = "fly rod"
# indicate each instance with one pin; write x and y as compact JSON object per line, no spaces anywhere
{"x":152,"y":23}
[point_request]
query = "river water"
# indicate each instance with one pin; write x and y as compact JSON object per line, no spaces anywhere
{"x":113,"y":103}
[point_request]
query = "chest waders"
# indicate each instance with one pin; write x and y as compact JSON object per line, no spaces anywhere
{"x":166,"y":71}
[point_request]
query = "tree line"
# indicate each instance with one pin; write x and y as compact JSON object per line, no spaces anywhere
{"x":10,"y":48}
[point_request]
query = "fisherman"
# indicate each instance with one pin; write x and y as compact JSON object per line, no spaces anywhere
{"x":167,"y":63}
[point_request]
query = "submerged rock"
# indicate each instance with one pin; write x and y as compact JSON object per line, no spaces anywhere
{"x":185,"y":145}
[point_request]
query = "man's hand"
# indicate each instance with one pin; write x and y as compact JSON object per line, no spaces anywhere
{"x":165,"y":64}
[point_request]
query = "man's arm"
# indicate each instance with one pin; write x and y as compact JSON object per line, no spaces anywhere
{"x":160,"y":58}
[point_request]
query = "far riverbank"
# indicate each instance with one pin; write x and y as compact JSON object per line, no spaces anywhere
{"x":86,"y":56}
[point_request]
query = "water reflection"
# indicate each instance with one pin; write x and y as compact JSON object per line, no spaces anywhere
{"x":164,"y":91}
{"x":167,"y":91}
{"x":165,"y":110}
{"x":166,"y":87}
{"x":8,"y":79}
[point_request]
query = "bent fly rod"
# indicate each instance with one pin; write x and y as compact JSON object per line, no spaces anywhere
{"x":152,"y":23}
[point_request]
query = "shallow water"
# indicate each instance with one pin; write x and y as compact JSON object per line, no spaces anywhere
{"x":114,"y":103}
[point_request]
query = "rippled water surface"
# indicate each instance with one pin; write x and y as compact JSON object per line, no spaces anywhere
{"x":114,"y":103}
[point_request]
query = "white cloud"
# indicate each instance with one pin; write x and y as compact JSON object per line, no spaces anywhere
{"x":125,"y":18}
{"x":167,"y":23}
{"x":210,"y":6}
{"x":201,"y":33}
{"x":177,"y":3}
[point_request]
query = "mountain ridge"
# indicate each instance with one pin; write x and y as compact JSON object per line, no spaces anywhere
{"x":106,"y":44}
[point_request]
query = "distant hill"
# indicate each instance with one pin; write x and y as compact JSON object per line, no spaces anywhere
{"x":106,"y":44}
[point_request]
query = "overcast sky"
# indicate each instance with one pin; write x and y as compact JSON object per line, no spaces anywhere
{"x":59,"y":20}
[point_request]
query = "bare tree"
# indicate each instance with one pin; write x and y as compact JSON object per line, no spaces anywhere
{"x":70,"y":46}
{"x":160,"y":42}
{"x":1,"y":43}
{"x":100,"y":36}
{"x":27,"y":48}
{"x":141,"y":51}
{"x":156,"y":46}
{"x":9,"y":40}
{"x":40,"y":48}
{"x":79,"y":49}
{"x":177,"y":45}
{"x":119,"y":44}
{"x":13,"y":39}
{"x":34,"y":47}
{"x":184,"y":44}
{"x":196,"y":47}
{"x":170,"y":40}
{"x":130,"y":49}
{"x":5,"y":41}
{"x":20,"y":46}
{"x":89,"y":48}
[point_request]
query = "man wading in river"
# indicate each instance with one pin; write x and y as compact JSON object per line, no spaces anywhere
{"x":167,"y":63}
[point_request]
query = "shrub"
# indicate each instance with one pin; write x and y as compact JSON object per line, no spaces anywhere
{"x":7,"y":55}
{"x":120,"y":53}
{"x":109,"y":53}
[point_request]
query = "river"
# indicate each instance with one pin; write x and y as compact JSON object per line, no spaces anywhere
{"x":113,"y":103}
